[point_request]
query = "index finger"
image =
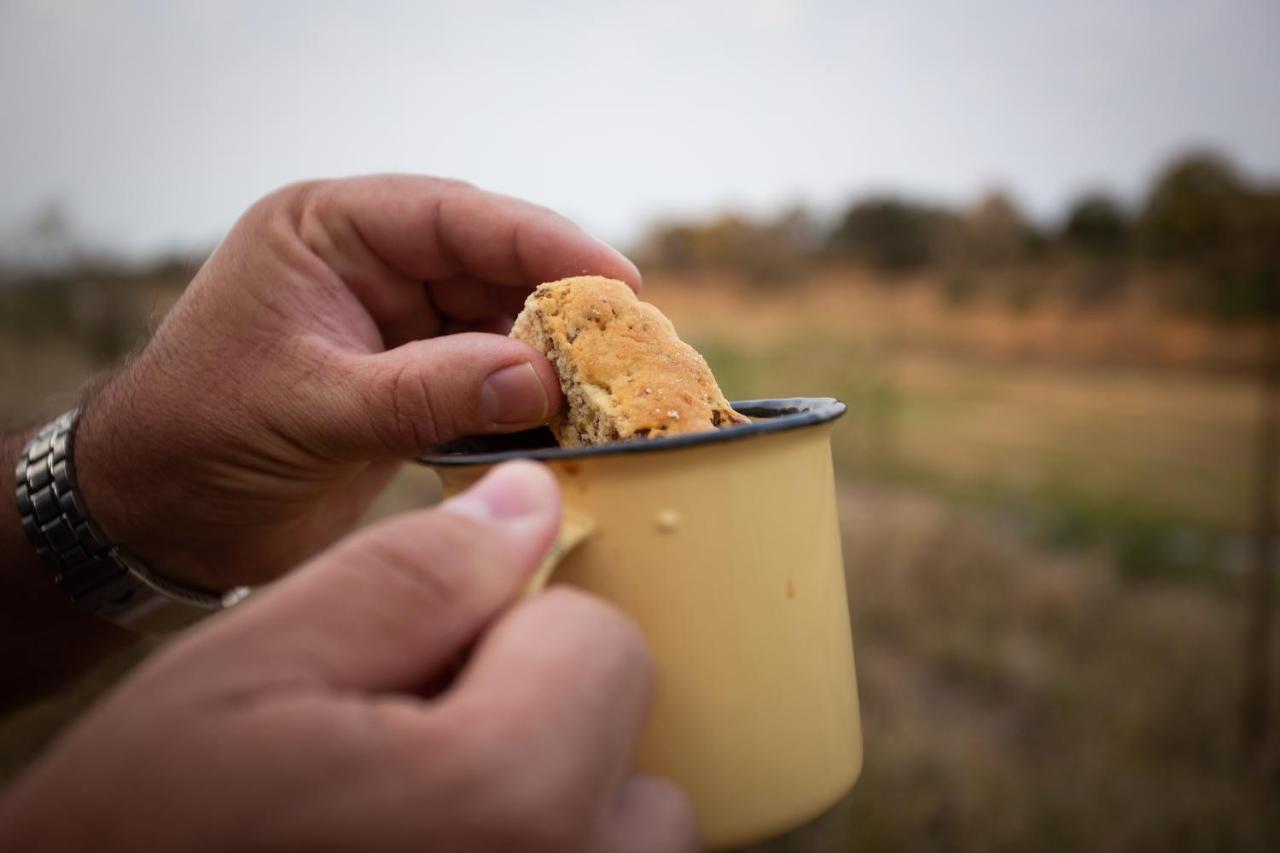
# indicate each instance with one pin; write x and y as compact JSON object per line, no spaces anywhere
{"x":432,"y":228}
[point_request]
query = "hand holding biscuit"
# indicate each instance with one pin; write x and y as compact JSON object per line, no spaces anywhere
{"x":330,"y":335}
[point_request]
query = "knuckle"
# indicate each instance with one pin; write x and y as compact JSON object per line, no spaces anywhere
{"x":452,"y":184}
{"x":290,"y":199}
{"x":406,"y":414}
{"x":609,"y":644}
{"x":287,"y":222}
{"x":609,"y":630}
{"x":310,"y":211}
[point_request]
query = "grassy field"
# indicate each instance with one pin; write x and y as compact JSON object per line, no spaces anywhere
{"x":1043,"y":509}
{"x":1142,"y":451}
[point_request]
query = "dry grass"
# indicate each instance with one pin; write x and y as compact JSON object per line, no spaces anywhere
{"x":1014,"y":314}
{"x":1020,"y":700}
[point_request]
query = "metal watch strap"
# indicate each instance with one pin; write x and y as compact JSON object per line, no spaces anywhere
{"x":101,"y":577}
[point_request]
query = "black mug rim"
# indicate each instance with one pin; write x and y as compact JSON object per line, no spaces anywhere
{"x":772,"y":415}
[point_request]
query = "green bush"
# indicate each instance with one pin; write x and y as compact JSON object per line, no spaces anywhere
{"x":1097,"y":225}
{"x":887,"y":233}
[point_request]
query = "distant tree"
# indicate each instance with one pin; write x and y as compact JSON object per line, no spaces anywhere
{"x":1255,"y":263}
{"x":761,"y":251}
{"x":669,"y":245}
{"x":800,"y":229}
{"x":1097,"y":224}
{"x":1194,"y":210}
{"x":886,"y":232}
{"x":1203,"y":214}
{"x":996,"y":232}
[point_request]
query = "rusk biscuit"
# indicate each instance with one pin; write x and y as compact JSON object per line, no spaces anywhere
{"x":624,"y":371}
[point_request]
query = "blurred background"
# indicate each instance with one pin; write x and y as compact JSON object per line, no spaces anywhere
{"x":1035,"y":247}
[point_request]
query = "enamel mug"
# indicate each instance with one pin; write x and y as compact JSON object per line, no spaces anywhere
{"x":724,"y":547}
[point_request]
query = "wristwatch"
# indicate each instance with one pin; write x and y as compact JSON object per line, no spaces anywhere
{"x":99,"y":576}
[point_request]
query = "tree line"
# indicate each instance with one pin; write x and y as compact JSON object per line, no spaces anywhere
{"x":1200,"y":214}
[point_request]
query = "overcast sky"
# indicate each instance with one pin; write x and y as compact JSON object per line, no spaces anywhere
{"x":154,"y":123}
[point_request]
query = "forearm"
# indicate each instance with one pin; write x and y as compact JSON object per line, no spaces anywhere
{"x":44,"y":639}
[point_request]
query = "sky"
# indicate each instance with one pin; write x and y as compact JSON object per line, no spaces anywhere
{"x":151,"y":125}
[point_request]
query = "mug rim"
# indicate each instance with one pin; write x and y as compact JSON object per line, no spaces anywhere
{"x":774,"y":415}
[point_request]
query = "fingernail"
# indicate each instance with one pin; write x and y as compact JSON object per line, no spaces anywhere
{"x":510,"y":492}
{"x":514,"y":395}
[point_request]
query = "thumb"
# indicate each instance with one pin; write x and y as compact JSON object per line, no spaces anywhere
{"x":431,"y":391}
{"x":390,"y":607}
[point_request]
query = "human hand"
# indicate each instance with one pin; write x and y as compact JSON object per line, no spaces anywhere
{"x":311,"y":353}
{"x":320,"y":715}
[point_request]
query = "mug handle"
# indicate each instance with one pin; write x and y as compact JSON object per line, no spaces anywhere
{"x":574,"y":527}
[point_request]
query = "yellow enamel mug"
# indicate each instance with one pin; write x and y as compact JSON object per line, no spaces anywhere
{"x":724,"y":547}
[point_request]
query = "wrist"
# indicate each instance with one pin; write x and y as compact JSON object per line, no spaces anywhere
{"x":106,"y":479}
{"x":121,"y":469}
